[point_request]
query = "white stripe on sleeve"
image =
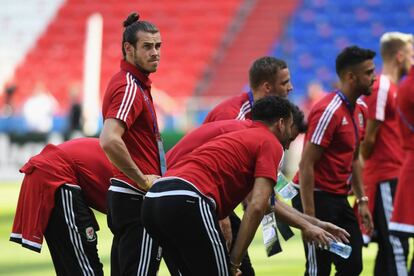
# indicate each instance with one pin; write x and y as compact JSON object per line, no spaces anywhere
{"x":131,"y":101}
{"x":325,"y":119}
{"x":244,"y":109}
{"x":384,"y":88}
{"x":124,"y":99}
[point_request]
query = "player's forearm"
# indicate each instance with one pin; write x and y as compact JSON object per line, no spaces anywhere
{"x":309,"y":219}
{"x":357,"y":184}
{"x":367,"y":147}
{"x":307,"y":183}
{"x":118,"y":154}
{"x":290,"y":215}
{"x":249,"y":224}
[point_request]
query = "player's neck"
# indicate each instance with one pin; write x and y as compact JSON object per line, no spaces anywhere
{"x":351,"y":95}
{"x":392,"y":72}
{"x":258,"y":94}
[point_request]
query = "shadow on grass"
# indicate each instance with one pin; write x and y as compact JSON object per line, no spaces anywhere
{"x":34,"y":268}
{"x":12,"y":269}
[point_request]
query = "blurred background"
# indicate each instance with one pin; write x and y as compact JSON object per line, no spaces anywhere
{"x":57,"y":56}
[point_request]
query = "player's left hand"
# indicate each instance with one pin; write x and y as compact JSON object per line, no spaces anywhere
{"x":150,"y":178}
{"x":339,"y":233}
{"x":236,"y":272}
{"x":366,"y":217}
{"x":235,"y":269}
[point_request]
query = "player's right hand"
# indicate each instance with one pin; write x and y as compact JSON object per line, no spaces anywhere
{"x":340,"y":234}
{"x":150,"y":178}
{"x":317,"y":235}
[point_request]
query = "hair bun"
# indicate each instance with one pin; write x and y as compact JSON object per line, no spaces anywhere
{"x":132,"y":18}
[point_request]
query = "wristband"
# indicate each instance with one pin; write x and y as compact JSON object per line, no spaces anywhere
{"x":362,"y":199}
{"x":234,"y":266}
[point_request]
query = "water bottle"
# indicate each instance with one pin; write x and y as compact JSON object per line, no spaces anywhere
{"x":340,"y":249}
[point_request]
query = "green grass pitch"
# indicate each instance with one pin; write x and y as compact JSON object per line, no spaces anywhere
{"x":16,"y":260}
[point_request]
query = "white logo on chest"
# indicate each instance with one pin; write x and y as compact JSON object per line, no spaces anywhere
{"x":344,"y":121}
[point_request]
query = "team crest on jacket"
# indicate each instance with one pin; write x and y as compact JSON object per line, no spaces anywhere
{"x":90,"y":234}
{"x":361,"y":119}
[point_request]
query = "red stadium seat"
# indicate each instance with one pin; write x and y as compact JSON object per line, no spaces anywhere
{"x":191,"y":30}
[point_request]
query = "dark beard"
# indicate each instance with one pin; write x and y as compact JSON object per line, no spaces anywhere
{"x":145,"y":72}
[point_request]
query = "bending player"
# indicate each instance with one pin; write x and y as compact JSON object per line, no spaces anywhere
{"x":208,"y":183}
{"x":59,"y":187}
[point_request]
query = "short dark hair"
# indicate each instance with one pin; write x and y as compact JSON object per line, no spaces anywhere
{"x":132,"y":25}
{"x":270,"y":109}
{"x":265,"y":69}
{"x":351,"y":56}
{"x":299,"y":119}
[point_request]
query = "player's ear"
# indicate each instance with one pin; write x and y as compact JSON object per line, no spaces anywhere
{"x":349,"y":76}
{"x":128,"y":47}
{"x":266,"y":87}
{"x":399,"y":56}
{"x":280,"y":124}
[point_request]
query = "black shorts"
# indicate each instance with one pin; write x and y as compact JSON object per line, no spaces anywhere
{"x":133,"y":251}
{"x":334,"y":209}
{"x":71,"y":234}
{"x":184,"y":222}
{"x":392,"y":250}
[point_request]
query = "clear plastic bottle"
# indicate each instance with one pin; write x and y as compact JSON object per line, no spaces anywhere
{"x":340,"y":249}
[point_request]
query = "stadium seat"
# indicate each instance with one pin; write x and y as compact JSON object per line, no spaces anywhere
{"x":191,"y":32}
{"x":320,"y":29}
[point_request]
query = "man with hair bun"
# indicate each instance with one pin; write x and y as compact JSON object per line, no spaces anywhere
{"x":130,"y":138}
{"x":382,"y":152}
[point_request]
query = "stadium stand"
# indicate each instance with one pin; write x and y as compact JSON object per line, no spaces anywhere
{"x":191,"y":31}
{"x":319,"y":29}
{"x":255,"y":38}
{"x":21,"y":23}
{"x":208,"y":45}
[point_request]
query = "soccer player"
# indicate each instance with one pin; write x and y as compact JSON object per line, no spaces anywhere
{"x":206,"y":132}
{"x":132,"y":142}
{"x":59,"y":186}
{"x":402,"y":221}
{"x":382,"y":152}
{"x":267,"y":76}
{"x":181,"y":210}
{"x":330,"y":161}
{"x":209,"y":131}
